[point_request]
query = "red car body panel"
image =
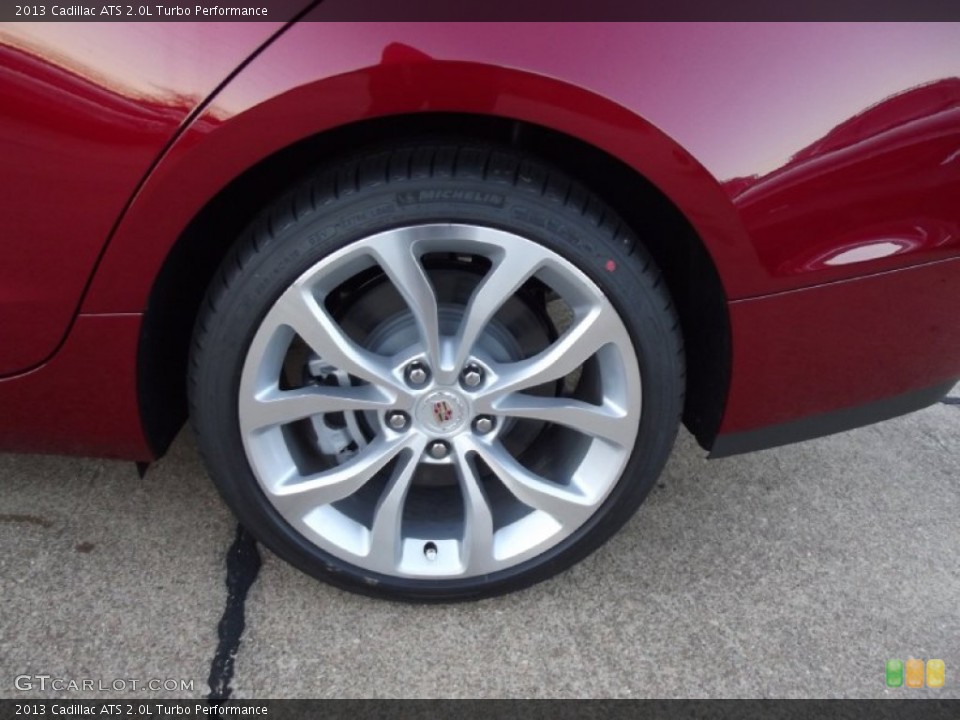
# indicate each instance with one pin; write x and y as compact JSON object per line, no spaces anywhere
{"x":815,"y":162}
{"x":83,"y":401}
{"x":877,"y":337}
{"x":738,"y":169}
{"x":86,"y":111}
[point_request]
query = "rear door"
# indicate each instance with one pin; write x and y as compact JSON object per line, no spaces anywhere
{"x":85,"y":109}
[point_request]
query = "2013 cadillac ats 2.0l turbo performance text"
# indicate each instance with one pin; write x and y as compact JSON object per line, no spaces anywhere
{"x":436,"y":297}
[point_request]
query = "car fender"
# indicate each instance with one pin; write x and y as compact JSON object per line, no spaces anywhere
{"x":276,"y":102}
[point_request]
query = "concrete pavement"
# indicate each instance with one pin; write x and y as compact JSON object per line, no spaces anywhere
{"x":794,"y":572}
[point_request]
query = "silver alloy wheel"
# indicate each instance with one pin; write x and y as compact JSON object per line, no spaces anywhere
{"x":511,"y":508}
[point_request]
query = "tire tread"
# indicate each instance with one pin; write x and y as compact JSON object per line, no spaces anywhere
{"x":394,"y":167}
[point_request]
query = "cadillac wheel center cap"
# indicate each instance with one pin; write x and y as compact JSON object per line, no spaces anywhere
{"x":442,"y":412}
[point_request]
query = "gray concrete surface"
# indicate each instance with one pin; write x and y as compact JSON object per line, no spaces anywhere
{"x":794,"y":572}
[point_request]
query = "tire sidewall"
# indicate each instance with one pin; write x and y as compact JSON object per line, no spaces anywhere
{"x":610,"y":258}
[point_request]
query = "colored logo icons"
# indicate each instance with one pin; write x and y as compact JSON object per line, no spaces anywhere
{"x":911,"y":673}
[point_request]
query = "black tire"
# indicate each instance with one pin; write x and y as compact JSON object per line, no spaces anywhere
{"x":426,"y":183}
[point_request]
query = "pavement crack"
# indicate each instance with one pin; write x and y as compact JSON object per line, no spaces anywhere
{"x":243,"y":565}
{"x":951,"y":401}
{"x":27,"y":519}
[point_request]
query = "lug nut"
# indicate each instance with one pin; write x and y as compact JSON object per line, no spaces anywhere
{"x":417,"y":374}
{"x":472,"y":376}
{"x":430,"y":551}
{"x":438,"y":450}
{"x":397,"y":420}
{"x":483,"y":424}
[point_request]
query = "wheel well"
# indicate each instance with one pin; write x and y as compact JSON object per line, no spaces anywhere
{"x":190,"y":266}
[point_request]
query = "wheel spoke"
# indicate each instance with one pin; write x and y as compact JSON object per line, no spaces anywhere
{"x":513,"y":509}
{"x":299,"y":495}
{"x":567,"y":506}
{"x":299,"y":310}
{"x":398,"y":259}
{"x":578,"y":344}
{"x":385,"y":537}
{"x":477,"y":547}
{"x":278,"y":407}
{"x":510,"y":272}
{"x":597,"y":421}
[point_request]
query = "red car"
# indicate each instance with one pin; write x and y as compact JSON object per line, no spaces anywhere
{"x":436,"y":297}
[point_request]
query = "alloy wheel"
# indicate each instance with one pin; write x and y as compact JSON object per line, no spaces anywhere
{"x":396,"y":413}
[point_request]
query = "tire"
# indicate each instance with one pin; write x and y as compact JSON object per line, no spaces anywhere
{"x":437,"y":372}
